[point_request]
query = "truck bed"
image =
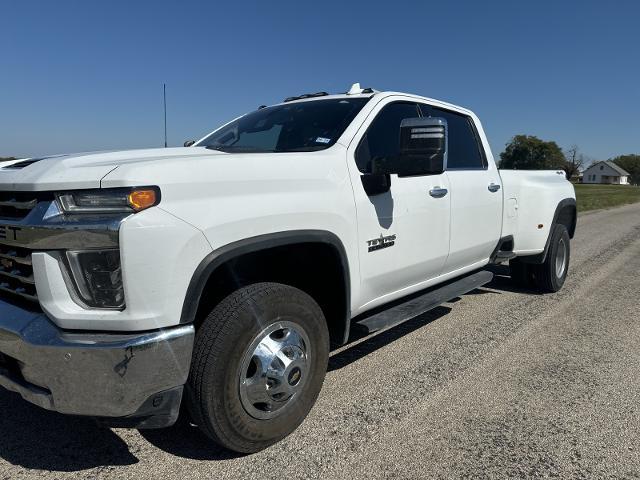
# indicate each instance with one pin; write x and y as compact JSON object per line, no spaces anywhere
{"x":530,"y":200}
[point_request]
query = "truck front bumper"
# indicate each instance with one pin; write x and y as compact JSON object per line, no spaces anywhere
{"x":133,"y":380}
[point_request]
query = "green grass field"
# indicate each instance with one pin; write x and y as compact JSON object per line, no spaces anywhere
{"x":593,"y":197}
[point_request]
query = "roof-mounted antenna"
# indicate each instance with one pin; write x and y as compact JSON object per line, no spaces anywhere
{"x":164,"y":99}
{"x":355,"y":89}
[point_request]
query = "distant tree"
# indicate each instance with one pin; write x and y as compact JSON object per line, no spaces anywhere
{"x":4,"y":159}
{"x":631,"y":163}
{"x":526,"y":152}
{"x":574,"y":161}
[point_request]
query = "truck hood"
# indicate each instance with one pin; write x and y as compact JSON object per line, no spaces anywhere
{"x":82,"y":170}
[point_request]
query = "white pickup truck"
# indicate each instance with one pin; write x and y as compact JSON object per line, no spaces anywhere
{"x":221,"y":274}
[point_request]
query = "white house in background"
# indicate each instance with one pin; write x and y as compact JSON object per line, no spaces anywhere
{"x":605,"y":172}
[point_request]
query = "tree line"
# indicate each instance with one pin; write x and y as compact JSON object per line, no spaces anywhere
{"x":528,"y":152}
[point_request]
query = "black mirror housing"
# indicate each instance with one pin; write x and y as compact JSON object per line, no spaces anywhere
{"x":423,"y":136}
{"x":423,"y":146}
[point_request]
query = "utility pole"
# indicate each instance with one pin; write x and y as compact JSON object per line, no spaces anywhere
{"x":164,"y":95}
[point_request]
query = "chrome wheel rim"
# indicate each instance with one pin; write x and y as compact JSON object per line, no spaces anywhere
{"x":274,"y":370}
{"x":561,"y":258}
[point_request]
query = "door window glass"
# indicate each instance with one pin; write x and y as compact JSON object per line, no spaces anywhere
{"x":383,"y":135}
{"x":463,"y":150}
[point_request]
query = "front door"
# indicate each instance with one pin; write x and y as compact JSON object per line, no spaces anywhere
{"x":403,"y":233}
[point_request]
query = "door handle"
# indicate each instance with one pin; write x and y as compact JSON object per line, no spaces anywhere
{"x":438,"y":192}
{"x":493,"y":187}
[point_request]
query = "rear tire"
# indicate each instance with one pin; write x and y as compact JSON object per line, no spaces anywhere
{"x":550,"y":275}
{"x":259,"y":362}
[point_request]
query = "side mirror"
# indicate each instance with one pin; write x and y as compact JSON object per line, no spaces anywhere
{"x":188,"y":143}
{"x":423,"y":136}
{"x":423,"y":146}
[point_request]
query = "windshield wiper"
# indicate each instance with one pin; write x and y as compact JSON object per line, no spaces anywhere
{"x":310,"y":148}
{"x":238,"y":149}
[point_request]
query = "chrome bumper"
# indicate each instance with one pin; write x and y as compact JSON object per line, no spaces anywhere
{"x":119,"y":376}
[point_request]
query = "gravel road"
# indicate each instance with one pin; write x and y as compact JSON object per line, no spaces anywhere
{"x":501,"y":383}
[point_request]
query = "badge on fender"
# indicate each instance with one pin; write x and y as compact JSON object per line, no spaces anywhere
{"x":381,"y":242}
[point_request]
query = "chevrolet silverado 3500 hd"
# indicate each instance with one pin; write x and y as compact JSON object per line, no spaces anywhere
{"x":219,"y":275}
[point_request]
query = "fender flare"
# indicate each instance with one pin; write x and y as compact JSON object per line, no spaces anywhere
{"x":255,"y":244}
{"x":541,"y":257}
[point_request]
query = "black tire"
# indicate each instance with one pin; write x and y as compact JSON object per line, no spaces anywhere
{"x":546,"y":275}
{"x":222,"y":345}
{"x":521,"y":274}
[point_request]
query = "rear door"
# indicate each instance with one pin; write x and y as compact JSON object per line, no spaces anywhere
{"x":403,"y":233}
{"x":476,"y":194}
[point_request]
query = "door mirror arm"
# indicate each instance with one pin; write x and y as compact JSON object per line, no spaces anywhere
{"x":376,"y":183}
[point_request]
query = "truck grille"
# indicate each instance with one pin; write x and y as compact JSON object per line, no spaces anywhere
{"x":17,"y":285}
{"x":16,"y":275}
{"x":30,"y":223}
{"x":17,"y":205}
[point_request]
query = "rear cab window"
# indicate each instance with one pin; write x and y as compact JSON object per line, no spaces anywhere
{"x":464,"y":151}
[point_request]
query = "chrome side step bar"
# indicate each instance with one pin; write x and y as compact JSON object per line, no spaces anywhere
{"x":418,"y":305}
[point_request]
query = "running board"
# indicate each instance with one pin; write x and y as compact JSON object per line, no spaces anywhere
{"x":419,"y":305}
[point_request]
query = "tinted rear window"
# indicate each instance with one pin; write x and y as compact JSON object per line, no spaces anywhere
{"x":463,"y":146}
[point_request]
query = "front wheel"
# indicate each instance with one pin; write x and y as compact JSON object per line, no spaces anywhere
{"x":259,"y":363}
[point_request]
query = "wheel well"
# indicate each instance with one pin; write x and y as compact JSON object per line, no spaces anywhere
{"x":315,"y":268}
{"x":567,"y":217}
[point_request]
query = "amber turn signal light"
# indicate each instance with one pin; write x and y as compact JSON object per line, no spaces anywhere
{"x":142,"y":199}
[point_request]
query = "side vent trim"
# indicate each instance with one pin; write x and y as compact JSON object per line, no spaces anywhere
{"x":21,"y":165}
{"x":29,"y":161}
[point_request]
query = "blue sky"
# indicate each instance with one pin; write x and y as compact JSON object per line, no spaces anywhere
{"x":87,"y":75}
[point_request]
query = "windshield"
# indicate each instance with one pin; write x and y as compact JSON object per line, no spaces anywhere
{"x":291,"y":127}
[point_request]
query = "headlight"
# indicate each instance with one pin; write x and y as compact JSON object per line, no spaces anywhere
{"x":111,"y":200}
{"x":98,"y":277}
